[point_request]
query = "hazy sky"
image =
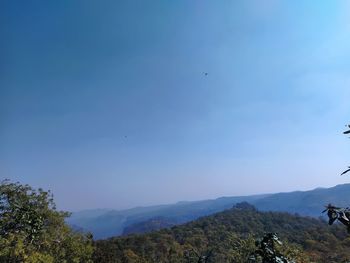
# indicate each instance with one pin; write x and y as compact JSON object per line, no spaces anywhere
{"x":106,"y":102}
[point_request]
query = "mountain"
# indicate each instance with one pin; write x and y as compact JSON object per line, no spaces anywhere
{"x":112,"y":222}
{"x":108,"y":223}
{"x":229,"y":236}
{"x":307,"y":203}
{"x":150,"y":225}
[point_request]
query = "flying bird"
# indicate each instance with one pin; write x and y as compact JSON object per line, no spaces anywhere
{"x":347,"y":132}
{"x":348,"y":170}
{"x":205,"y":73}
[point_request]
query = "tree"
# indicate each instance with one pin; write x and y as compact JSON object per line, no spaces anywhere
{"x":346,"y":132}
{"x":32,"y":230}
{"x":267,"y":250}
{"x":337,"y":213}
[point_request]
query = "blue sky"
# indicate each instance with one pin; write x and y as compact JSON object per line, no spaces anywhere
{"x":106,"y":102}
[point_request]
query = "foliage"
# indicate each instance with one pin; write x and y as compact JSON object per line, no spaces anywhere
{"x":32,"y":230}
{"x":268,"y":250}
{"x":346,"y":132}
{"x":337,"y":213}
{"x":229,"y":236}
{"x":149,"y":225}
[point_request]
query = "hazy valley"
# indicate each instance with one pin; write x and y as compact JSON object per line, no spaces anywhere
{"x":109,"y":223}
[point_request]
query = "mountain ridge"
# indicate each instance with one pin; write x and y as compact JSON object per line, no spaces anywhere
{"x":307,"y":203}
{"x":229,"y":236}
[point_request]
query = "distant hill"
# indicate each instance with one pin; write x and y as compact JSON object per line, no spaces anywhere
{"x":112,"y":222}
{"x":108,"y":223}
{"x":229,"y":236}
{"x":307,"y":203}
{"x":149,"y":225}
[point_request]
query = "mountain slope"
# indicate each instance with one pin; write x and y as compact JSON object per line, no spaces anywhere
{"x":228,"y":236}
{"x":150,"y":225}
{"x":307,"y":203}
{"x":112,"y":223}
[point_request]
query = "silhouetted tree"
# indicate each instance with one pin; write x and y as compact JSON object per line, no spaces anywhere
{"x":346,"y":132}
{"x":337,"y":213}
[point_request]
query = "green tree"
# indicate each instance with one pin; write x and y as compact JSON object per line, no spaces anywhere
{"x":32,"y":230}
{"x":268,"y":250}
{"x":130,"y":257}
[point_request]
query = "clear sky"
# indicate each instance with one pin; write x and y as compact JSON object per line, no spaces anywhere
{"x":107,"y":103}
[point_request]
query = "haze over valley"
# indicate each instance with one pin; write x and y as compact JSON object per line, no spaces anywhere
{"x":104,"y":223}
{"x":199,"y":131}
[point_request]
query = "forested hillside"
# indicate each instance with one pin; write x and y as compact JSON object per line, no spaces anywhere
{"x":109,"y":223}
{"x":229,"y":237}
{"x":150,"y":225}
